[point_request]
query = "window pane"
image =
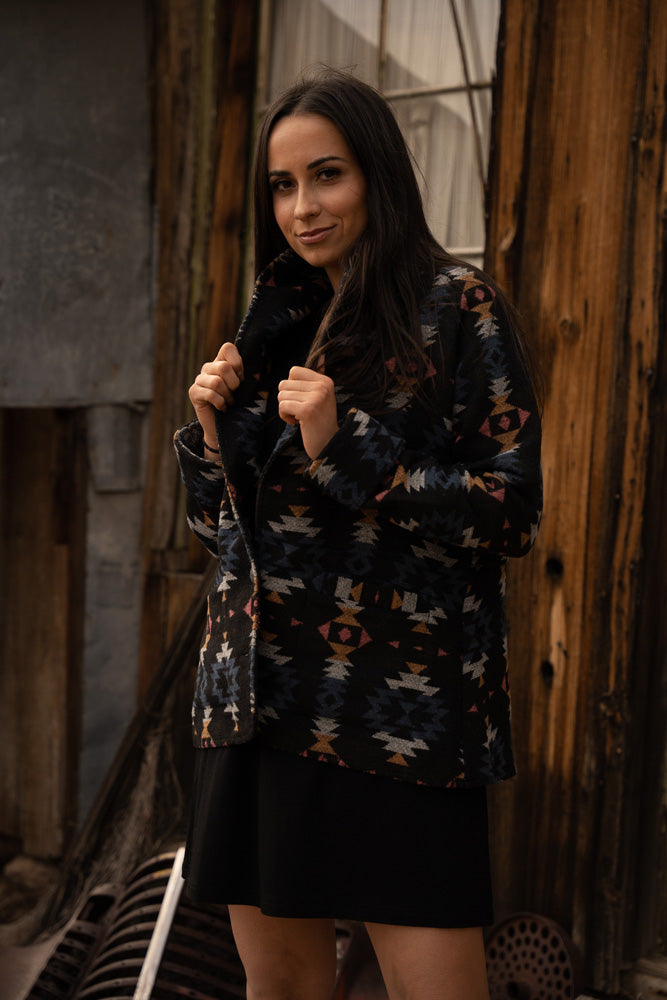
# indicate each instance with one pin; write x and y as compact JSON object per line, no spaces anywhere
{"x":422,"y":49}
{"x":479,"y":26}
{"x":341,"y":33}
{"x":440,"y":135}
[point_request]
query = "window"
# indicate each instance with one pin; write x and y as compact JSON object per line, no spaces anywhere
{"x":433,"y":60}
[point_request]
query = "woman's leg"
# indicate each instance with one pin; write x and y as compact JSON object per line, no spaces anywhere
{"x":285,"y":958}
{"x":431,"y":963}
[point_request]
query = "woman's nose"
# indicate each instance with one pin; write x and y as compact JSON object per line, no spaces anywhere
{"x":306,"y":204}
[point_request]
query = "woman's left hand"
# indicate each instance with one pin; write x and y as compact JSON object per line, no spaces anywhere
{"x":307,"y":398}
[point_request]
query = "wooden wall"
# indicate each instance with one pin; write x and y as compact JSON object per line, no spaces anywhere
{"x":577,"y":234}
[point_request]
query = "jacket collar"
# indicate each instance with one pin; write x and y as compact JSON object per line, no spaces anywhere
{"x":286,"y":291}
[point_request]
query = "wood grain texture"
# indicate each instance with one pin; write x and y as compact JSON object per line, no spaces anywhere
{"x":43,"y":572}
{"x":575,"y":229}
{"x":203,"y":71}
{"x":645,"y":462}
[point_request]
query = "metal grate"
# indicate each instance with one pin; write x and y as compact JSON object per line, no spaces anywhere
{"x":530,"y":957}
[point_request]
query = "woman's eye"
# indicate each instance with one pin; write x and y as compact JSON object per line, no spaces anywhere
{"x":282,"y":184}
{"x":328,"y":173}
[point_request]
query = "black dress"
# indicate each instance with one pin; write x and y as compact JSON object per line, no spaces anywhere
{"x":303,"y":838}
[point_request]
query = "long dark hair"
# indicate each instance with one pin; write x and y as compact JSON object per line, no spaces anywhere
{"x":371,"y":336}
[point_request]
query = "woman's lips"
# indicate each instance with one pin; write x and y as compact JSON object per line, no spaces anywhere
{"x":314,"y":235}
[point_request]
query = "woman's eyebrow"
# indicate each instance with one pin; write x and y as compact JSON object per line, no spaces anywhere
{"x":311,"y":166}
{"x":323,"y":159}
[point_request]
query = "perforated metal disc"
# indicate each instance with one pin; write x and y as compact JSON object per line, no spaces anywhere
{"x":529,"y":957}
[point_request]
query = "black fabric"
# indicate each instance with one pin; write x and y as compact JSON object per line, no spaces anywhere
{"x":301,"y":838}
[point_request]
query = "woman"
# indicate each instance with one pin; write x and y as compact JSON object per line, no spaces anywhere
{"x":364,"y":459}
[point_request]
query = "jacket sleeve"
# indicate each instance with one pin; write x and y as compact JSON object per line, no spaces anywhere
{"x":486,"y":492}
{"x":204,"y":484}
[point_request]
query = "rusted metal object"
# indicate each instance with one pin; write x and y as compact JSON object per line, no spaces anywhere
{"x":103,"y":952}
{"x":530,"y":957}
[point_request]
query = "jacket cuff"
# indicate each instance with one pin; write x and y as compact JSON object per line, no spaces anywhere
{"x":189,"y":445}
{"x":359,"y":461}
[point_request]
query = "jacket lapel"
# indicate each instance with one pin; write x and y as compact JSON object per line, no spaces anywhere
{"x":285,"y":293}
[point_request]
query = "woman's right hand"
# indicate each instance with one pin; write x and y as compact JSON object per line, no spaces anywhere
{"x":214,"y":388}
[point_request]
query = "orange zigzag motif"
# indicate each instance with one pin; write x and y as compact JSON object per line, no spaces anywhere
{"x":504,"y":422}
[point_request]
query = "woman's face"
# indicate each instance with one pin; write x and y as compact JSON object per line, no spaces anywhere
{"x":318,"y":189}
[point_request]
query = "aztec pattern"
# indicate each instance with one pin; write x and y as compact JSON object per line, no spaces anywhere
{"x":358,"y":612}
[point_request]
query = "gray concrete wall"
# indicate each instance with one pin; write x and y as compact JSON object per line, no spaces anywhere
{"x":76,"y":299}
{"x":75,"y":318}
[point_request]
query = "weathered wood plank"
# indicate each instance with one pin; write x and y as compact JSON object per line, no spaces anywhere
{"x":42,"y":550}
{"x":510,"y":136}
{"x":203,"y":85}
{"x":233,"y":153}
{"x":176,"y":62}
{"x":643,"y":850}
{"x":563,"y":192}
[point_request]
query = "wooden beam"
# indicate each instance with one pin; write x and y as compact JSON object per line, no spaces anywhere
{"x":232,"y":159}
{"x":43,"y":557}
{"x":642,"y":861}
{"x":563,"y":235}
{"x":203,"y":59}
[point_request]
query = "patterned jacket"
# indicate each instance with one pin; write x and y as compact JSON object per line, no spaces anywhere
{"x":358,"y":610}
